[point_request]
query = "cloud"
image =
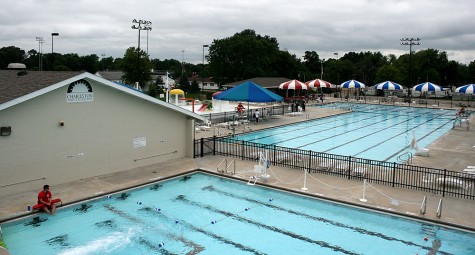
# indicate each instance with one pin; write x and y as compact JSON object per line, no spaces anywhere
{"x":328,"y":26}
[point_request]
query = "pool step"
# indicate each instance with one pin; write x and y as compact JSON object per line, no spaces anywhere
{"x":429,"y":230}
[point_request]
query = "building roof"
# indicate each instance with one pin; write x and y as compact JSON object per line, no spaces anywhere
{"x":266,"y":82}
{"x":20,"y":88}
{"x":111,"y":75}
{"x":15,"y":83}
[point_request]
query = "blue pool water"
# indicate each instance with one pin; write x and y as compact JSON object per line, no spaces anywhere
{"x":205,"y":214}
{"x":376,"y":132}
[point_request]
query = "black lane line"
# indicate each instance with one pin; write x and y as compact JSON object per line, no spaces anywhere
{"x":200,"y":230}
{"x":405,"y":131}
{"x":303,"y":128}
{"x":338,"y":224}
{"x":419,"y":139}
{"x":332,"y":119}
{"x":322,"y":130}
{"x":361,"y":137}
{"x":196,"y":248}
{"x":344,"y":132}
{"x":271,"y":228}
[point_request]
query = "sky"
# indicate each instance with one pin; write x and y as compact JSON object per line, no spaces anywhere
{"x":180,"y":28}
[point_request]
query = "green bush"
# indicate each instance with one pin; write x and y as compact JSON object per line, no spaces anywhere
{"x":2,"y":243}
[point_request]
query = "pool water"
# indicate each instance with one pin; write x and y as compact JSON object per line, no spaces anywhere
{"x":377,"y":132}
{"x":206,"y":214}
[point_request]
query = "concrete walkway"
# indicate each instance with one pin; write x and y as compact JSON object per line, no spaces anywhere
{"x":453,"y":151}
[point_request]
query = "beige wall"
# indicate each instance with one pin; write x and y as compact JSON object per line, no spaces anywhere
{"x":97,"y":137}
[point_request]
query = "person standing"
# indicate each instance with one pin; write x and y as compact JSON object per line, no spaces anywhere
{"x":45,"y":197}
{"x":256,"y":114}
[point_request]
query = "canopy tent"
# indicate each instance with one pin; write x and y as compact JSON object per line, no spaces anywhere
{"x":352,"y":84}
{"x":466,"y":89}
{"x":249,"y":92}
{"x":293,"y":84}
{"x":317,"y":83}
{"x":427,"y":86}
{"x":388,"y":85}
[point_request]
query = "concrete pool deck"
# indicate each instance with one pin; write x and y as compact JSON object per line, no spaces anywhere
{"x":454,"y":151}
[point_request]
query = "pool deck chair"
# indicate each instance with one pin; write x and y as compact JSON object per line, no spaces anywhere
{"x":359,"y":171}
{"x":423,"y":152}
{"x":260,"y":169}
{"x":453,"y":182}
{"x":324,"y":165}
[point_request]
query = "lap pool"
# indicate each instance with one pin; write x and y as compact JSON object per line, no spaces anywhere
{"x":377,"y":132}
{"x":205,"y":214}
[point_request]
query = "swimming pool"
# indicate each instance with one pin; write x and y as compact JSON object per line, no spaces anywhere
{"x":204,"y":214}
{"x":377,"y":132}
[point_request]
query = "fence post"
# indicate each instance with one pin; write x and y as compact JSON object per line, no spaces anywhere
{"x":242,"y":150}
{"x":310,"y":160}
{"x":274,"y":153}
{"x":201,"y":146}
{"x":394,"y":174}
{"x":349,"y":167}
{"x":445,"y":179}
{"x":214,"y":146}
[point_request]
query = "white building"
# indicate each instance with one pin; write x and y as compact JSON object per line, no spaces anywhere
{"x":67,"y":126}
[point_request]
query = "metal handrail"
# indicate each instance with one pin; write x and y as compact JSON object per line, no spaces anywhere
{"x":408,"y":159}
{"x":423,"y":206}
{"x":234,"y":168}
{"x":225,"y":166}
{"x":439,"y":209}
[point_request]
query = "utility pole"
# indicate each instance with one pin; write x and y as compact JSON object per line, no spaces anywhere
{"x":40,"y":41}
{"x":410,"y":42}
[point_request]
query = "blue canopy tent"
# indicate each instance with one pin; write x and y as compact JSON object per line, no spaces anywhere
{"x":249,"y":92}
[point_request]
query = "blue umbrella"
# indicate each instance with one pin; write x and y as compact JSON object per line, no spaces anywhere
{"x":466,"y":89}
{"x":388,"y":85}
{"x":352,"y":84}
{"x":249,"y":92}
{"x":427,"y":86}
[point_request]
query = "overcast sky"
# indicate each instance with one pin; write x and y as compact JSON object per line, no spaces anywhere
{"x":180,"y":28}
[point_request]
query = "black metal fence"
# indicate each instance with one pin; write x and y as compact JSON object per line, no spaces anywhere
{"x":437,"y":181}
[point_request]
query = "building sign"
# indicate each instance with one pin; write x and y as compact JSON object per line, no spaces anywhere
{"x":140,"y":141}
{"x":79,"y":91}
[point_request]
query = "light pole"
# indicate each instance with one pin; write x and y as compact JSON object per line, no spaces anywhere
{"x":321,"y":71}
{"x":40,"y":41}
{"x":202,"y":77}
{"x":52,"y":52}
{"x":142,"y":25}
{"x":338,"y":67}
{"x":410,"y":42}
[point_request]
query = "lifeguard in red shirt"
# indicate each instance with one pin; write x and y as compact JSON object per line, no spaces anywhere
{"x":46,"y":198}
{"x":240,"y":109}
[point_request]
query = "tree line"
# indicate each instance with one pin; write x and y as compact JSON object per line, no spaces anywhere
{"x":247,"y":55}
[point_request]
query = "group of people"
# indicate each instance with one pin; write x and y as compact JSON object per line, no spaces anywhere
{"x":240,"y":110}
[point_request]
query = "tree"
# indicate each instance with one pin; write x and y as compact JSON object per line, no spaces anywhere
{"x":244,"y":55}
{"x":195,"y":88}
{"x":185,"y":84}
{"x":11,"y":54}
{"x":90,"y":63}
{"x":107,"y":64}
{"x":136,"y":67}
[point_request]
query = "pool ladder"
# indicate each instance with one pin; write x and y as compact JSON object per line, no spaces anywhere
{"x":405,"y":158}
{"x":439,"y":209}
{"x":226,"y":167}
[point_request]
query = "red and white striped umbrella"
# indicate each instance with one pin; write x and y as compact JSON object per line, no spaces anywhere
{"x":317,"y":83}
{"x":293,"y":84}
